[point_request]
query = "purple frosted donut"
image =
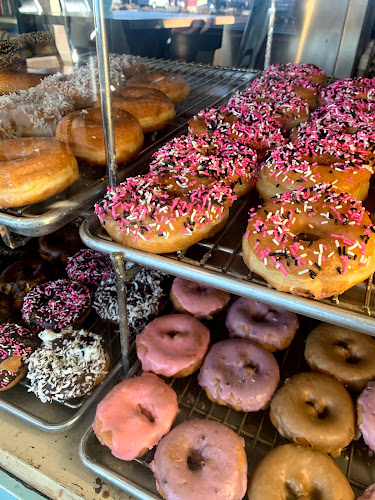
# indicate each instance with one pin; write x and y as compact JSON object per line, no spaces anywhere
{"x":201,"y":460}
{"x":90,"y":267}
{"x":366,"y":414}
{"x":369,"y":494}
{"x":56,"y":305}
{"x":270,"y":326}
{"x":240,"y":374}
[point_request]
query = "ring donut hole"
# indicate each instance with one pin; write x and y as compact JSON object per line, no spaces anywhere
{"x":195,"y":460}
{"x":320,"y":411}
{"x":309,"y":237}
{"x":250,"y":366}
{"x":347,"y":353}
{"x":295,"y":490}
{"x":146,"y":412}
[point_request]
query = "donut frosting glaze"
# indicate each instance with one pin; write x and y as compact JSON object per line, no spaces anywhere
{"x":240,"y":373}
{"x":134,"y":415}
{"x":366,"y":414}
{"x":172,"y":343}
{"x":218,"y":466}
{"x":271,"y":326}
{"x":90,"y":267}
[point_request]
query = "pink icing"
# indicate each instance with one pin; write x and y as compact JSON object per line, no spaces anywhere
{"x":369,"y":494}
{"x":240,"y":371}
{"x":138,"y":412}
{"x":367,"y":402}
{"x":199,"y":300}
{"x":213,"y":449}
{"x":172,"y":343}
{"x":260,"y":322}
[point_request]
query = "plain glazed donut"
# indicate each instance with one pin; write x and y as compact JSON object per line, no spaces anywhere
{"x":199,"y":300}
{"x":295,"y":471}
{"x":240,"y":374}
{"x":270,"y":326}
{"x":314,"y":409}
{"x":14,"y":82}
{"x":342,"y":353}
{"x":201,"y":460}
{"x":173,"y":85}
{"x":83,"y":132}
{"x":310,"y":242}
{"x":173,"y":345}
{"x":34,"y":169}
{"x":142,"y":213}
{"x":369,"y":494}
{"x":366,"y":414}
{"x":134,"y":415}
{"x":151,"y":107}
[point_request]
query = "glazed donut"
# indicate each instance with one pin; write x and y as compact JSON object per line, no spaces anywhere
{"x":90,"y":267}
{"x":142,"y":213}
{"x":295,"y":471}
{"x":366,"y":414}
{"x":16,"y":345}
{"x":196,"y":156}
{"x":201,"y":459}
{"x":369,"y":494}
{"x":134,"y":415}
{"x":151,"y":107}
{"x":83,"y":132}
{"x":240,"y":374}
{"x":270,"y":326}
{"x":67,"y":365}
{"x":349,"y":88}
{"x":199,"y":300}
{"x":174,"y":86}
{"x":298,"y":70}
{"x":21,"y":276}
{"x":342,"y":353}
{"x":310,"y":242}
{"x":145,"y":298}
{"x":56,"y":305}
{"x":314,"y":409}
{"x":32,"y":170}
{"x":173,"y":345}
{"x":61,"y":244}
{"x":14,"y":82}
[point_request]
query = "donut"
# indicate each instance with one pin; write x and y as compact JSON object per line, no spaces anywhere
{"x":16,"y":345}
{"x":349,"y":88}
{"x":310,"y":242}
{"x":240,"y":374}
{"x":67,"y":365}
{"x":134,"y":415}
{"x":297,"y":70}
{"x":13,"y":55}
{"x":316,"y":410}
{"x":344,"y":354}
{"x":143,"y":213}
{"x":201,"y":459}
{"x":272,"y":327}
{"x":83,"y":132}
{"x":145,"y":298}
{"x":366,"y":414}
{"x":20,"y":277}
{"x":6,"y":308}
{"x":150,"y":106}
{"x":14,"y":82}
{"x":295,"y":471}
{"x":126,"y":64}
{"x":173,"y":345}
{"x":34,"y":169}
{"x":369,"y":494}
{"x":56,"y":305}
{"x":61,"y":244}
{"x":173,"y":85}
{"x":199,"y":300}
{"x":90,"y":267}
{"x":41,"y":43}
{"x":196,"y":156}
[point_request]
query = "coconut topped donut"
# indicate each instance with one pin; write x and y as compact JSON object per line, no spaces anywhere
{"x":90,"y":267}
{"x":311,"y":242}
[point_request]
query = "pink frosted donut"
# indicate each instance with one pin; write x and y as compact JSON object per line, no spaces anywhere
{"x":201,"y":460}
{"x":134,"y":415}
{"x":369,"y":494}
{"x":366,"y":414}
{"x":201,"y":301}
{"x":173,"y":345}
{"x":240,"y":374}
{"x":270,"y":326}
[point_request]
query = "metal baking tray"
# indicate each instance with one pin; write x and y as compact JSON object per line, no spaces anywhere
{"x":209,"y":86}
{"x":59,"y":416}
{"x":357,"y":462}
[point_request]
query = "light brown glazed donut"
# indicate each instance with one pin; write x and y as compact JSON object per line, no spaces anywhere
{"x":345,"y":354}
{"x":314,"y":409}
{"x":173,"y":85}
{"x":13,"y":82}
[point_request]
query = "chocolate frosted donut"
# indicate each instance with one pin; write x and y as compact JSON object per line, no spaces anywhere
{"x":240,"y":374}
{"x":90,"y":267}
{"x":270,"y":326}
{"x":314,"y":409}
{"x":201,"y":460}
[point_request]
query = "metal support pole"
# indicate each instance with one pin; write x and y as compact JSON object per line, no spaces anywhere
{"x":105,"y":91}
{"x":271,"y":25}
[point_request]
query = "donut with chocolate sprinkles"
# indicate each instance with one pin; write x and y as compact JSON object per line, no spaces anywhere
{"x":90,"y":267}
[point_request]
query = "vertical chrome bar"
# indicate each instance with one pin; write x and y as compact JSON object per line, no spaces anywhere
{"x":105,"y":91}
{"x":271,"y":25}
